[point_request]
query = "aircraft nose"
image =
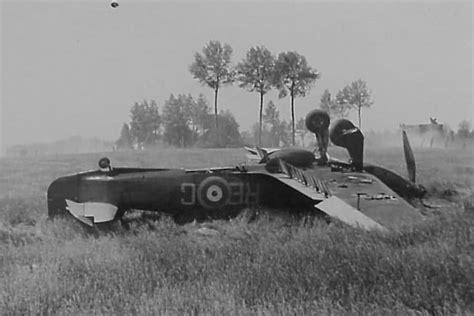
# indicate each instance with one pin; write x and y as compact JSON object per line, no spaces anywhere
{"x":60,"y":190}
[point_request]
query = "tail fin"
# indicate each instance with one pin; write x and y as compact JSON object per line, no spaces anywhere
{"x":262,"y":154}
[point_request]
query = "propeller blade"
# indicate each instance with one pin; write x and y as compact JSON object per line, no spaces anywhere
{"x":410,"y":158}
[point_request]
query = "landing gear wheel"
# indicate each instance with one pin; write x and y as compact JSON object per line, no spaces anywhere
{"x":317,"y":121}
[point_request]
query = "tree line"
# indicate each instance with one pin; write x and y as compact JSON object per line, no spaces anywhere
{"x":353,"y":96}
{"x":259,"y":71}
{"x":182,"y":122}
{"x":187,"y":122}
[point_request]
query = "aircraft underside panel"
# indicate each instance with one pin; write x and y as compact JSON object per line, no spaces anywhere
{"x":371,"y":196}
{"x":323,"y":201}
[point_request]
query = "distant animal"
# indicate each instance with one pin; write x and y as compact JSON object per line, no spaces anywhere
{"x":433,"y":133}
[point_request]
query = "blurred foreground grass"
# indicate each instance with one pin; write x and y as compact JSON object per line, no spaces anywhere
{"x":273,"y":265}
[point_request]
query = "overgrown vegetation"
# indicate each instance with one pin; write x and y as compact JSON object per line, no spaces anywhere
{"x":272,"y":265}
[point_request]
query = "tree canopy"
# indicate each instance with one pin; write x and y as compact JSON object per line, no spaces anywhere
{"x":228,"y":130}
{"x":255,"y":73}
{"x":332,"y":106}
{"x":357,"y":95}
{"x":200,"y":118}
{"x":145,"y":123}
{"x":277,"y":133}
{"x":295,"y":77}
{"x":188,"y":122}
{"x":125,"y":140}
{"x":177,"y":119}
{"x":464,"y":128}
{"x":213,"y":68}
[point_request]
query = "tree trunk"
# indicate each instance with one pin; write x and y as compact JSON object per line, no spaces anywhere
{"x":292,"y":119}
{"x":216,"y":115}
{"x":260,"y":121}
{"x":215,"y":105}
{"x":360,"y":123}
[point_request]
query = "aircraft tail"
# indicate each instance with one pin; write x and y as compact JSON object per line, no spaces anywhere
{"x":257,"y":152}
{"x":262,"y":154}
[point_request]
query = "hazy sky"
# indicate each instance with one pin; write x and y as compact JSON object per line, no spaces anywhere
{"x":76,"y":67}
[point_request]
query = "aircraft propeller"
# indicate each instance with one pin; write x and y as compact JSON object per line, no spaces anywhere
{"x":411,"y":168}
{"x":409,"y":158}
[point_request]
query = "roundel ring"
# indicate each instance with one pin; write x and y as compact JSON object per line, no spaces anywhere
{"x":213,"y":192}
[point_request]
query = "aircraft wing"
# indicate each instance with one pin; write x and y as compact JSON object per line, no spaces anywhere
{"x":317,"y":190}
{"x":368,"y":194}
{"x":337,"y":208}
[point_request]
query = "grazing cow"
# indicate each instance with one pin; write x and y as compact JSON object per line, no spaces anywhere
{"x":434,"y":132}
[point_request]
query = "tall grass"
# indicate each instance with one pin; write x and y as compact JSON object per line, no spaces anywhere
{"x":267,"y":265}
{"x":273,"y":265}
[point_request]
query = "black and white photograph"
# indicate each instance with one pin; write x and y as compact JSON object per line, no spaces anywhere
{"x":256,"y":157}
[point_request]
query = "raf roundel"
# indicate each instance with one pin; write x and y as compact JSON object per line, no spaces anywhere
{"x":213,"y":192}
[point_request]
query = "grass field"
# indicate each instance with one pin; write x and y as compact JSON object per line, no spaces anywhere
{"x":273,"y":265}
